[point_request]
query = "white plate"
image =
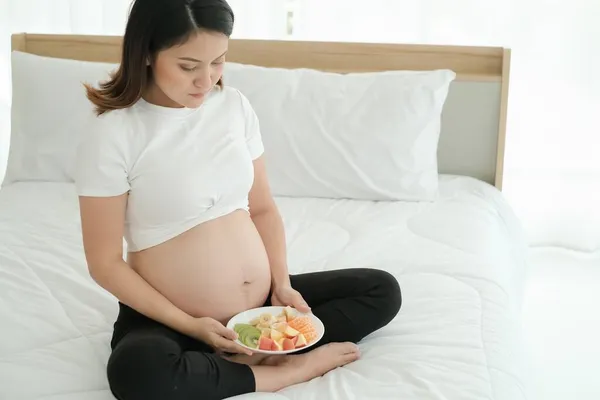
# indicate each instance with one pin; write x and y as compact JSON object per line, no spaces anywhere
{"x":246,"y":316}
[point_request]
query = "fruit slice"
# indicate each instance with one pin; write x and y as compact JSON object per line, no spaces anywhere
{"x":310,"y":336}
{"x":304,"y":325}
{"x":265,"y":332}
{"x":301,"y":341}
{"x":280,"y":326}
{"x":289,"y":313}
{"x":287,"y":344}
{"x":290,"y":332}
{"x":277,"y":345}
{"x":265,"y":343}
{"x":282,"y":318}
{"x":247,"y":334}
{"x":300,"y":323}
{"x":266,"y":319}
{"x":276,"y":335}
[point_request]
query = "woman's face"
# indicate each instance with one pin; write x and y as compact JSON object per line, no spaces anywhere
{"x":184,"y":74}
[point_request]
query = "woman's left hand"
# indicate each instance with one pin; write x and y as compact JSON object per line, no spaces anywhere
{"x":288,"y":296}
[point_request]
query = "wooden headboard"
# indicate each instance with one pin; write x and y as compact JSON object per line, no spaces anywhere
{"x":473,"y":134}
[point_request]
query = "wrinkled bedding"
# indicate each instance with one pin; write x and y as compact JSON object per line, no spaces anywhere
{"x":459,"y":260}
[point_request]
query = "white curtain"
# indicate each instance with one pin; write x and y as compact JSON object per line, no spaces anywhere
{"x":553,"y":140}
{"x":4,"y":85}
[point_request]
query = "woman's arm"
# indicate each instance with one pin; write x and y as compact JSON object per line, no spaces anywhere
{"x":102,"y":221}
{"x":269,"y":224}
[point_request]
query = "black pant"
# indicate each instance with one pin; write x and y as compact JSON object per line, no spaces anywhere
{"x":150,"y":361}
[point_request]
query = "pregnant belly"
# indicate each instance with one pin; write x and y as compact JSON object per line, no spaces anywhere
{"x":216,"y":269}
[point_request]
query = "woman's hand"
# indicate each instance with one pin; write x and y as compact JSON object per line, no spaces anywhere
{"x":288,"y":296}
{"x":213,"y":333}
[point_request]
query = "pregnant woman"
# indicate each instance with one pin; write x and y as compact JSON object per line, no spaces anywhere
{"x":172,"y":161}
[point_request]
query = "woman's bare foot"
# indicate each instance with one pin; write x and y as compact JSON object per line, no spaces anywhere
{"x":279,"y":372}
{"x":322,"y":360}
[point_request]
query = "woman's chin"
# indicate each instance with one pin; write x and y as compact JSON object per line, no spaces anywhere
{"x":193,"y":101}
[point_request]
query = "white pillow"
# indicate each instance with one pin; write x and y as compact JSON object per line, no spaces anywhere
{"x":48,"y":109}
{"x":364,"y":136}
{"x":370,"y":136}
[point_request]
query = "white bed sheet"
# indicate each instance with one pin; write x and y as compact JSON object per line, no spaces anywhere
{"x":460,"y":263}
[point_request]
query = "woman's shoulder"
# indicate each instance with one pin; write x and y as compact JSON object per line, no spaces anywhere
{"x":104,"y":154}
{"x":107,"y":135}
{"x":231,"y":96}
{"x":111,"y":125}
{"x":236,"y":100}
{"x":109,"y":118}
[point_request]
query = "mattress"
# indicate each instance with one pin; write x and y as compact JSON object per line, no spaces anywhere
{"x":460,"y":263}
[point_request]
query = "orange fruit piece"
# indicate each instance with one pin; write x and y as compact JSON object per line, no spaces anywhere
{"x":310,"y":335}
{"x":304,"y":326}
{"x":300,"y":323}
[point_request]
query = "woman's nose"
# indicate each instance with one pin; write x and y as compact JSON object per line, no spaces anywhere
{"x":203,"y":79}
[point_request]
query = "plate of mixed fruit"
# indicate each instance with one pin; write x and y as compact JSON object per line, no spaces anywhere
{"x":276,"y":330}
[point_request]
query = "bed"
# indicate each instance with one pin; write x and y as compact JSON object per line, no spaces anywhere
{"x":460,"y":259}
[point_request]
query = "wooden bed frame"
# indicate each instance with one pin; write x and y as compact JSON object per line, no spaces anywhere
{"x":473,"y":135}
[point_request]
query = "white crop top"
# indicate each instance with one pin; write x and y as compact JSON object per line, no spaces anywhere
{"x":181,"y":166}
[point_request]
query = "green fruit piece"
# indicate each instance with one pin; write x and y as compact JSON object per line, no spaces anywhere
{"x":247,"y":334}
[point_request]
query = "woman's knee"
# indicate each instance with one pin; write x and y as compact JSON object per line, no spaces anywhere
{"x":142,"y":368}
{"x":387,"y":291}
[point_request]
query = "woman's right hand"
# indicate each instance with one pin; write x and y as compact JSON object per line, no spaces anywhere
{"x":213,"y":333}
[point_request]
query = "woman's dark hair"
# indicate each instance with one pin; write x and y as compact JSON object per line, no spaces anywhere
{"x":155,"y":25}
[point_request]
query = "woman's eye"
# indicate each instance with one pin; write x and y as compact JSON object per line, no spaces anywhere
{"x":188,"y":69}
